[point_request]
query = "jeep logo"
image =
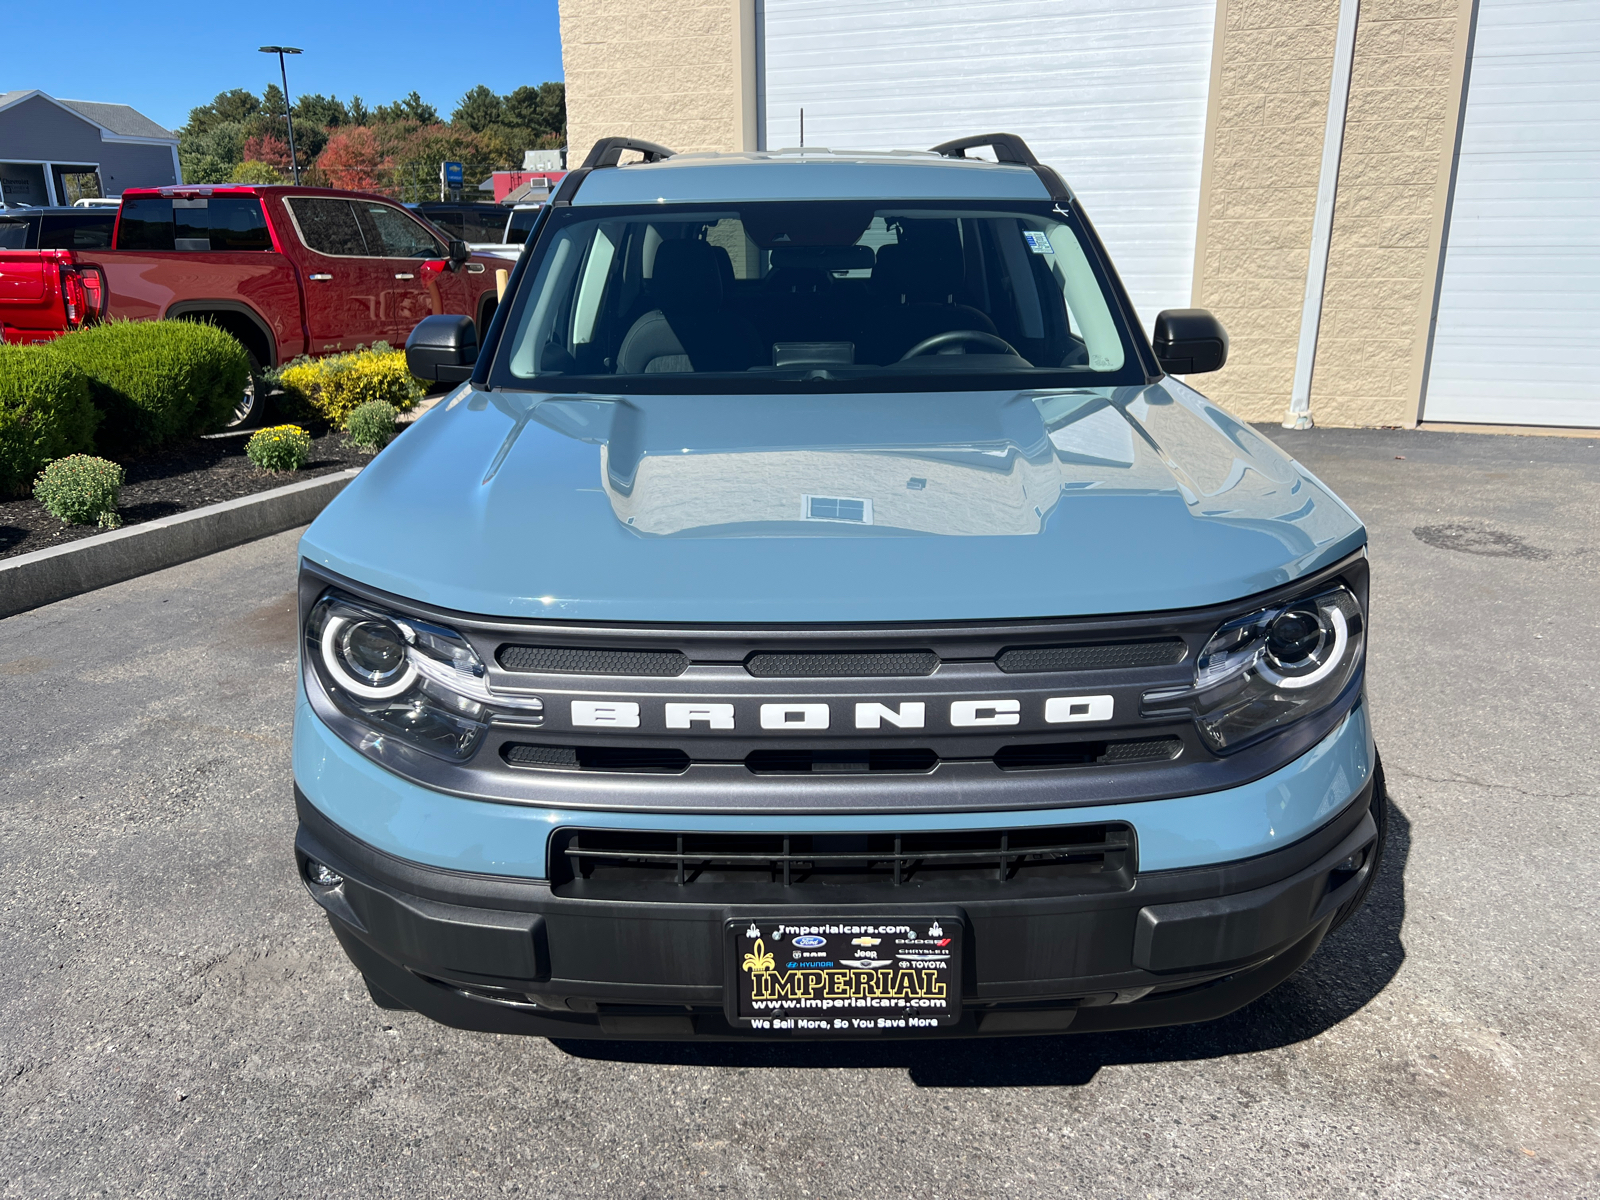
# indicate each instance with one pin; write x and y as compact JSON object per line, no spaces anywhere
{"x":814,"y":716}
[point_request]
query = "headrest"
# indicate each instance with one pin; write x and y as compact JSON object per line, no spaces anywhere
{"x":687,"y":275}
{"x":928,"y":267}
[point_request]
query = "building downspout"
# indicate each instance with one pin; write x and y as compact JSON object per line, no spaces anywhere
{"x":1299,"y":415}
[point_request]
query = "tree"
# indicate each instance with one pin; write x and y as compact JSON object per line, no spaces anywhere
{"x":320,"y":110}
{"x":479,"y":109}
{"x":272,"y":101}
{"x":358,"y":111}
{"x":412,"y":108}
{"x":230,"y":107}
{"x":353,"y":160}
{"x":252,"y":171}
{"x":269,"y":149}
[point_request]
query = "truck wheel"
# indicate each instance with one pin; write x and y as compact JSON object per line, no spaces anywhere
{"x":252,"y":404}
{"x":382,"y":998}
{"x":1380,"y":816}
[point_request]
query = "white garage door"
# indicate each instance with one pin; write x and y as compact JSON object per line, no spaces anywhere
{"x":1112,"y":93}
{"x":1521,"y":288}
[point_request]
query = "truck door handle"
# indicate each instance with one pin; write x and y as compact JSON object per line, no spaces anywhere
{"x":404,"y":275}
{"x":321,"y":278}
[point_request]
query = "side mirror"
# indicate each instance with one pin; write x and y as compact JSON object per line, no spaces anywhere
{"x":459,"y":252}
{"x":444,"y":349}
{"x":1190,"y":341}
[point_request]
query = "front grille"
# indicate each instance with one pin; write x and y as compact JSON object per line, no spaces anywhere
{"x":1018,"y":660}
{"x":839,"y":762}
{"x":1039,"y":755}
{"x":672,"y":760}
{"x":664,"y":760}
{"x":852,"y":665}
{"x":576,"y":660}
{"x":1077,"y":857}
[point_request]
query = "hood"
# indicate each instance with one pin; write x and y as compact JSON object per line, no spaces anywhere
{"x":938,"y":506}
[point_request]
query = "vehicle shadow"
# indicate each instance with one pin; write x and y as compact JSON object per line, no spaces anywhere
{"x":1348,"y":970}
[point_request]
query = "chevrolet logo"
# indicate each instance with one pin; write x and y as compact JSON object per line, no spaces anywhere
{"x":813,"y":716}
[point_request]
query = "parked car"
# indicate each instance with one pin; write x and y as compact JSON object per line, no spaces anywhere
{"x":500,"y":230}
{"x":286,"y":270}
{"x":97,"y":202}
{"x":823,"y":613}
{"x":56,"y":228}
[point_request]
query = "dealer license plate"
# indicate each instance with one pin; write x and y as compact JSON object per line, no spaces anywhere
{"x":852,"y":976}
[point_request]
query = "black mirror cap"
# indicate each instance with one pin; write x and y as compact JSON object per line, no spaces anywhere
{"x":443,"y":349}
{"x":1190,"y":341}
{"x":459,"y":252}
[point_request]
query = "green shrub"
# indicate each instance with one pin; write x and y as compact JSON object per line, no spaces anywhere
{"x":372,"y":424}
{"x":157,"y":381}
{"x":81,"y":490}
{"x":280,"y":448}
{"x":335,"y":386}
{"x":45,"y":413}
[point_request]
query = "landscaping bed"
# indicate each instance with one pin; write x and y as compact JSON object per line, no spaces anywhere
{"x":187,"y":476}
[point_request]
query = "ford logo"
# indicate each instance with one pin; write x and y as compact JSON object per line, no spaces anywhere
{"x":810,"y":941}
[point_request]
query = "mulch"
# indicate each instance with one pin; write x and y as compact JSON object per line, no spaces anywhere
{"x":177,"y":479}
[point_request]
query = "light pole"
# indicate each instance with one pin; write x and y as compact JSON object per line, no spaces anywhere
{"x":288,"y":108}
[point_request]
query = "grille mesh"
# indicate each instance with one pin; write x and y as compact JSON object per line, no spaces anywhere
{"x":842,"y":665}
{"x":577,"y":660}
{"x":1040,"y":755}
{"x":1017,"y":660}
{"x":665,"y":760}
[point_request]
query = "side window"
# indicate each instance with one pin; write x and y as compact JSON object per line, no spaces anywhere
{"x":392,"y":234}
{"x":237,"y":223}
{"x":522,"y":220}
{"x":13,"y":234}
{"x":74,"y":232}
{"x":327,"y":226}
{"x":453,"y":223}
{"x":743,"y":253}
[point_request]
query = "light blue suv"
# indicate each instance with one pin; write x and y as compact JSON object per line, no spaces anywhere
{"x":821,"y":612}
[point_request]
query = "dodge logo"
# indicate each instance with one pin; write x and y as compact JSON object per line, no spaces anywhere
{"x":811,"y":715}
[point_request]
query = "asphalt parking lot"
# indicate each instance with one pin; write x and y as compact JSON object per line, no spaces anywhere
{"x":176,"y":1018}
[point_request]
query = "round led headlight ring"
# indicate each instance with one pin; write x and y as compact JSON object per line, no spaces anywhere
{"x":1335,"y":653}
{"x":367,"y":657}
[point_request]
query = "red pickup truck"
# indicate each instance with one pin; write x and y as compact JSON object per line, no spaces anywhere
{"x":46,"y":292}
{"x":287,"y":270}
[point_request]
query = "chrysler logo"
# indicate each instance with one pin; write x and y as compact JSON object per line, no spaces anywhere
{"x":812,"y":716}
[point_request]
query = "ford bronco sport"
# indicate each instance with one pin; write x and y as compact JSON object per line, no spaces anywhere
{"x":821,"y":612}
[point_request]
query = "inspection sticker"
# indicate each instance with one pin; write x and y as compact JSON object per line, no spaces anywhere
{"x":1037,"y":242}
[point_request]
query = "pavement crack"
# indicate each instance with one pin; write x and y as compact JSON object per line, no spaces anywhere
{"x":1487,"y":785}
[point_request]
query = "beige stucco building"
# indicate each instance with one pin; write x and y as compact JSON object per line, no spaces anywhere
{"x":1297,"y":166}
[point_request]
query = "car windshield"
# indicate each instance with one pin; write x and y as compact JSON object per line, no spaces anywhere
{"x":777,"y":296}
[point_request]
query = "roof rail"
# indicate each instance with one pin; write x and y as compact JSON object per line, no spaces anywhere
{"x":1007,"y":147}
{"x":607,"y":151}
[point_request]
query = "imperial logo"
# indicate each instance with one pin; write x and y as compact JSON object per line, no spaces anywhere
{"x":813,"y":715}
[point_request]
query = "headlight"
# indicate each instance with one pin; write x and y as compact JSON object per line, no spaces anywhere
{"x":419,"y":682}
{"x":1261,"y":672}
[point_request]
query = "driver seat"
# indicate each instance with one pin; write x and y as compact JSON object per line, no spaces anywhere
{"x":919,"y":281}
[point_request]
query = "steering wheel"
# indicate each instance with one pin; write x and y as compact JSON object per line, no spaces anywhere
{"x":940,"y":340}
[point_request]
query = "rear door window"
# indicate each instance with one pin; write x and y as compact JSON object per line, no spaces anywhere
{"x":146,"y":224}
{"x":237,"y":223}
{"x":390,"y":233}
{"x":74,"y":231}
{"x":328,"y":226}
{"x":15,"y":233}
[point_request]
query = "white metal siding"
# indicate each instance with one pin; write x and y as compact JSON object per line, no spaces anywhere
{"x":1521,"y":289}
{"x":1112,"y":93}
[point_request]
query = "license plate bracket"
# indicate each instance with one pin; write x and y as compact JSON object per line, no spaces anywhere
{"x":808,"y":976}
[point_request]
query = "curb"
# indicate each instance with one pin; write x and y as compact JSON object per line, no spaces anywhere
{"x":45,"y":576}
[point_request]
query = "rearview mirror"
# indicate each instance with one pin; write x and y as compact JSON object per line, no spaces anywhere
{"x":444,"y":349}
{"x":1190,"y":341}
{"x":459,"y":252}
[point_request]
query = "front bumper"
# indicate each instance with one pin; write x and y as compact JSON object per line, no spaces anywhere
{"x":502,"y":954}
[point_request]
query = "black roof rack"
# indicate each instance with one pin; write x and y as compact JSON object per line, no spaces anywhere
{"x":1007,"y":147}
{"x":607,"y":151}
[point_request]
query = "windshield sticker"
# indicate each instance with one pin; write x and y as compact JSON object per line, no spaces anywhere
{"x":1037,"y":242}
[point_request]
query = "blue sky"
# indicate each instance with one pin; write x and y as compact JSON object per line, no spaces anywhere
{"x":164,"y":60}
